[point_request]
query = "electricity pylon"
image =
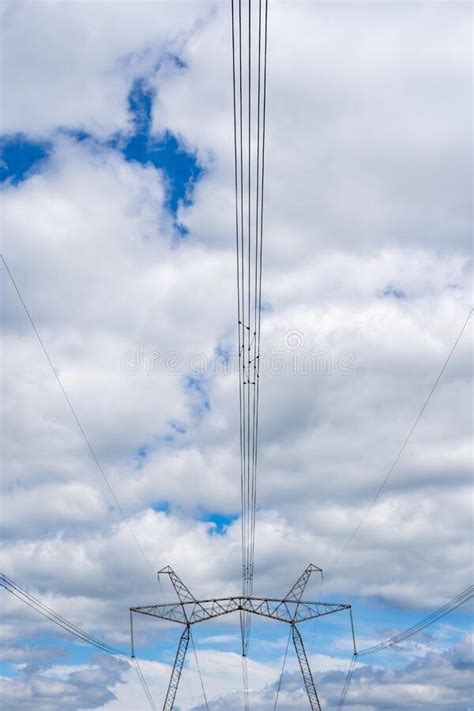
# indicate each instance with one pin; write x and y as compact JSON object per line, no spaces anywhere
{"x":291,"y":609}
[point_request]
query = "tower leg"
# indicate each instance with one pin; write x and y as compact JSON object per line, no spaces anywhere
{"x":177,"y":669}
{"x":305,"y":669}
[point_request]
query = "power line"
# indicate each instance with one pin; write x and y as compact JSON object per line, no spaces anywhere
{"x":438,"y":614}
{"x":144,"y":685}
{"x":260,"y":249}
{"x":75,"y":416}
{"x":21,"y":594}
{"x":248,"y":193}
{"x":245,"y":683}
{"x":35,"y":604}
{"x":402,"y":448}
{"x":430,"y":619}
{"x":347,"y":682}
{"x":54,"y":617}
{"x":280,"y":678}
{"x":459,"y":600}
{"x":199,"y":670}
{"x":237,"y":241}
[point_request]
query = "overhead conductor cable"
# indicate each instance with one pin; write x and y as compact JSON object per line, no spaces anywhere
{"x":249,"y":157}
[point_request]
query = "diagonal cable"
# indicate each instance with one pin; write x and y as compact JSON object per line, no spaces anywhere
{"x":280,"y":679}
{"x":144,"y":685}
{"x":54,"y":617}
{"x":75,"y":416}
{"x":430,"y":619}
{"x":402,"y":448}
{"x":434,"y":616}
{"x":35,"y":604}
{"x":204,"y":695}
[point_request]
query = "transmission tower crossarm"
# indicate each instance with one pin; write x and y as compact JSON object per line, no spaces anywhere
{"x":177,"y":669}
{"x":185,"y":597}
{"x":183,"y":593}
{"x":196,"y":611}
{"x":296,"y":592}
{"x":305,"y":669}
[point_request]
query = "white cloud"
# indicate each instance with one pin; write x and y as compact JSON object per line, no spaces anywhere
{"x":77,"y":61}
{"x":367,"y":194}
{"x":45,"y":689}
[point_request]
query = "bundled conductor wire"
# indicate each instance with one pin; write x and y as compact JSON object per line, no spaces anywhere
{"x":55,"y":617}
{"x":60,"y":621}
{"x":249,"y":54}
{"x":434,"y":616}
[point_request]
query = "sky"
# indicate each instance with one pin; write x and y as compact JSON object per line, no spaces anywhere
{"x":117,"y":222}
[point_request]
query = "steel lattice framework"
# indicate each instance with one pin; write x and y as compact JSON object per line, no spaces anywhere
{"x":291,"y":609}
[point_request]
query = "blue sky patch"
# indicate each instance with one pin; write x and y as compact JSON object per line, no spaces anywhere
{"x":178,"y":427}
{"x":174,"y":438}
{"x":20,"y":157}
{"x":162,"y":507}
{"x":394,"y":291}
{"x":224,"y":353}
{"x":221,"y":521}
{"x":195,"y":386}
{"x":165,"y":152}
{"x":142,"y":454}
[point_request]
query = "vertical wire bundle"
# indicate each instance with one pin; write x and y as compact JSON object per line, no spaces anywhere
{"x":249,"y":73}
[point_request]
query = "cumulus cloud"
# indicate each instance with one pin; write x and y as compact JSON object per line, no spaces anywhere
{"x":46,"y":688}
{"x":440,"y":680}
{"x":76,"y":65}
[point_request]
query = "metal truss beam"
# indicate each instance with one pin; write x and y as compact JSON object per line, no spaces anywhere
{"x":296,"y":592}
{"x":305,"y":669}
{"x":177,"y":669}
{"x":278,"y":609}
{"x":183,"y":593}
{"x":290,"y":609}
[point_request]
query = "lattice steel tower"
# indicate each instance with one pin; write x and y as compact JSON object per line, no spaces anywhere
{"x":291,"y":609}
